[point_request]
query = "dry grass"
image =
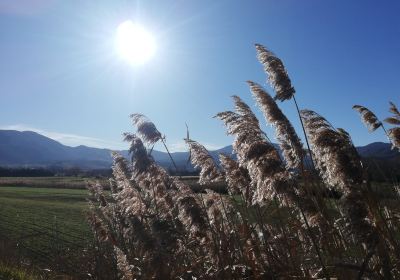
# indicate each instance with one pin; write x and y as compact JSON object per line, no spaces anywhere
{"x":277,"y":221}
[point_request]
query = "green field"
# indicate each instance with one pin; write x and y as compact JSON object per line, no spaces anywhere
{"x":50,"y":182}
{"x":47,"y":227}
{"x":53,"y":206}
{"x":65,"y":207}
{"x":44,"y":223}
{"x":43,"y":219}
{"x":15,"y":273}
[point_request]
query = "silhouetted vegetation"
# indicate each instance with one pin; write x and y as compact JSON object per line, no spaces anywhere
{"x":278,"y":221}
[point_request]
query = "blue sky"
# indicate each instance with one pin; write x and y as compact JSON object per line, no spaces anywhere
{"x":60,"y":74}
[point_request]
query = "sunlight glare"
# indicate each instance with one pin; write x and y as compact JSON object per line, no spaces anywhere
{"x":134,"y":43}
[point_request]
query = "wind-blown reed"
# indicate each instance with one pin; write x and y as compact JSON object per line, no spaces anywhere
{"x":237,"y":177}
{"x":340,"y":166}
{"x":201,"y":158}
{"x":394,"y":133}
{"x":259,"y":157}
{"x":277,"y":221}
{"x":289,"y":142}
{"x":277,"y":74}
{"x":146,"y":129}
{"x":368,"y":118}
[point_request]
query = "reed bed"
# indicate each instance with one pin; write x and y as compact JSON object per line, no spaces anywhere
{"x":279,"y":220}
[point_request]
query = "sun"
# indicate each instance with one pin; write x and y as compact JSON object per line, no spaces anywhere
{"x":134,"y":43}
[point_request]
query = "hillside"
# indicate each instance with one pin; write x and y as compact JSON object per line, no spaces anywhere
{"x":30,"y":149}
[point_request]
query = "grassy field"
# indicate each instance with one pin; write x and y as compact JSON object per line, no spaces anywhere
{"x":47,"y":225}
{"x":46,"y":208}
{"x":15,"y":273}
{"x":50,"y":182}
{"x":44,"y":223}
{"x":42,"y":212}
{"x":81,"y":182}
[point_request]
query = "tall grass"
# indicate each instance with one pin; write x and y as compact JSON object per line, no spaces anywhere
{"x":8,"y":271}
{"x":279,"y":220}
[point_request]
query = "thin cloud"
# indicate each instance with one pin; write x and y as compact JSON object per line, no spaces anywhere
{"x":68,"y":139}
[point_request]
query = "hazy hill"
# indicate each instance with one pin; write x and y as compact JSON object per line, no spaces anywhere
{"x":25,"y":149}
{"x":32,"y":149}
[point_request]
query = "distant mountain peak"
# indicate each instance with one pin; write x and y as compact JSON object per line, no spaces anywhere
{"x":30,"y":148}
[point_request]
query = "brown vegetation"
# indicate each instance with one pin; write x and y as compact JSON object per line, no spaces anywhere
{"x":277,"y":221}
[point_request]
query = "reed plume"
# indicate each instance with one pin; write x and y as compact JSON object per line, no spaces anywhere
{"x":139,"y":156}
{"x":277,"y":74}
{"x":244,"y":110}
{"x":269,"y":177}
{"x":124,"y":267}
{"x":290,"y":143}
{"x":280,"y":81}
{"x":340,"y":166}
{"x":146,"y":129}
{"x":252,"y":148}
{"x":98,"y":227}
{"x":368,"y":117}
{"x":393,"y":109}
{"x":153,"y":218}
{"x":271,"y":225}
{"x":394,"y":133}
{"x":237,"y":177}
{"x":150,"y":134}
{"x":200,"y":157}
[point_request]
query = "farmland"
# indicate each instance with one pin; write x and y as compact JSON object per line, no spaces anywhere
{"x":34,"y":213}
{"x":49,"y":182}
{"x":61,"y":209}
{"x":43,"y":221}
{"x":44,"y":227}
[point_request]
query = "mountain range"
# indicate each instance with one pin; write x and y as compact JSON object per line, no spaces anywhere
{"x":30,"y":149}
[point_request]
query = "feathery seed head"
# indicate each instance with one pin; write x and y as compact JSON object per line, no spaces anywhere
{"x":289,"y":142}
{"x":393,"y":109}
{"x":192,"y":214}
{"x":394,"y":135}
{"x":125,"y":269}
{"x":201,"y":158}
{"x":368,"y":117}
{"x":336,"y":158}
{"x":146,"y":129}
{"x":140,"y":158}
{"x":278,"y":77}
{"x":237,"y":177}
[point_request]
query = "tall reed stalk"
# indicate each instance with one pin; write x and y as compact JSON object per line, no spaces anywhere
{"x":275,"y":222}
